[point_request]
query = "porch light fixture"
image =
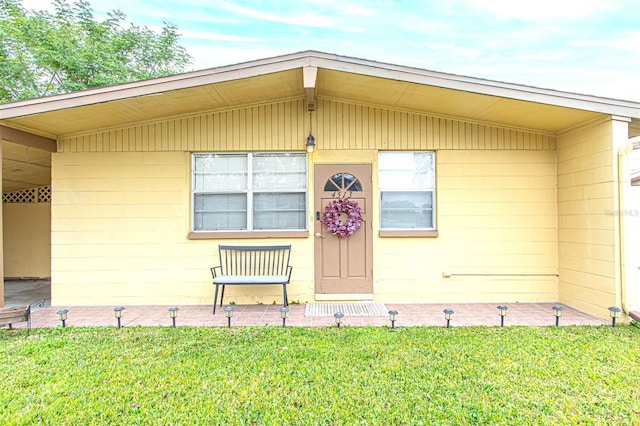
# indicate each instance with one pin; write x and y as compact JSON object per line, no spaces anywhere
{"x":228,"y":311}
{"x":503,"y":313}
{"x":173,"y":313}
{"x":62,"y":315}
{"x":118,"y":312}
{"x":448,"y":313}
{"x":338,"y":317}
{"x":557,"y":311}
{"x":614,"y":311}
{"x":393,"y":315}
{"x":311,"y":141}
{"x":284,"y":314}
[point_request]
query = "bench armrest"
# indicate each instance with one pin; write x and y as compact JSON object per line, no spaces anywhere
{"x":289,"y":269}
{"x":216,"y":270}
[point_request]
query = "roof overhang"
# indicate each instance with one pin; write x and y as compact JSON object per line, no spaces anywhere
{"x":310,"y":75}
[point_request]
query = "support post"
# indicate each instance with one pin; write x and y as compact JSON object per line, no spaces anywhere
{"x":1,"y":229}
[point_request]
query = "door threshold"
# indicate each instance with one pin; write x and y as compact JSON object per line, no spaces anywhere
{"x":343,"y":296}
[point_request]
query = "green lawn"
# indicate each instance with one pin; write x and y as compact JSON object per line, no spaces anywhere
{"x":306,"y":376}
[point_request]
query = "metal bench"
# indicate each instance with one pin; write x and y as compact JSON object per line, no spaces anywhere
{"x":13,"y":314}
{"x":252,"y":265}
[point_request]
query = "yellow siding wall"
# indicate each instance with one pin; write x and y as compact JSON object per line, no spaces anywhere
{"x":587,"y":224}
{"x":497,"y":233}
{"x":281,"y":126}
{"x":121,"y":209}
{"x":349,"y":126}
{"x":119,"y":234}
{"x":27,"y":240}
{"x":284,"y":126}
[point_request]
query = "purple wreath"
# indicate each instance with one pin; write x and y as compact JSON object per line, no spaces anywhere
{"x":331,"y":217}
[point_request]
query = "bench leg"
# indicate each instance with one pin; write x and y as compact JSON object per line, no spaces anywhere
{"x":286,"y":298}
{"x":222,"y":295}
{"x":215,"y":299}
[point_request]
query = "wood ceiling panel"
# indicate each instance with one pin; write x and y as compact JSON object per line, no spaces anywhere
{"x":532,"y":116}
{"x":25,"y":153}
{"x":340,"y":85}
{"x":24,"y":167}
{"x":448,"y":102}
{"x":271,"y":87}
{"x":368,"y":90}
{"x":264,"y":88}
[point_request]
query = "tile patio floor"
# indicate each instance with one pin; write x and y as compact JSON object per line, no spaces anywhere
{"x":466,"y":314}
{"x":409,"y":314}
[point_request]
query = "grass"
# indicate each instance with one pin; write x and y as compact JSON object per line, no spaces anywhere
{"x":307,"y":376}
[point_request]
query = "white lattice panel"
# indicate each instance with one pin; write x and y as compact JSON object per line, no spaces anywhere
{"x":32,"y":195}
{"x":44,"y":194}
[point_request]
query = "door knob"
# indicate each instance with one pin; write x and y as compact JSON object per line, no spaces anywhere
{"x":319,"y":235}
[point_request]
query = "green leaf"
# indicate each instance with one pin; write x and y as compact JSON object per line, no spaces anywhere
{"x":44,"y":53}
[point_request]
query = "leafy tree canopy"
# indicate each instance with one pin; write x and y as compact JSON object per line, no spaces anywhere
{"x":45,"y":53}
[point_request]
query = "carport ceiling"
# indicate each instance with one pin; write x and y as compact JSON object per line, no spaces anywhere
{"x":24,"y":167}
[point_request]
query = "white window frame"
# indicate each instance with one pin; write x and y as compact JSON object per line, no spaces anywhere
{"x":249,"y":191}
{"x":384,"y":188}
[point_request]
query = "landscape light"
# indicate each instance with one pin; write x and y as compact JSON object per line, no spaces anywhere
{"x":614,"y":311}
{"x":338,"y":316}
{"x":284,"y":314}
{"x":62,"y":314}
{"x":173,"y":313}
{"x":118,"y":312}
{"x":503,"y":313}
{"x":557,"y":310}
{"x":228,"y":311}
{"x":393,"y":315}
{"x":448,"y":313}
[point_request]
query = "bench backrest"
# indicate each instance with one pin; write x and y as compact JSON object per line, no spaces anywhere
{"x":254,"y":260}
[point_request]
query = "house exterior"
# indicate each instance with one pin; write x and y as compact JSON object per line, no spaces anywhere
{"x":470,"y":190}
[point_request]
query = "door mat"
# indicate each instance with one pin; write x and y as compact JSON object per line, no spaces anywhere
{"x":349,"y":309}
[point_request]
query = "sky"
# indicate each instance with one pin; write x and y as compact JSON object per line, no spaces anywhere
{"x":589,"y":47}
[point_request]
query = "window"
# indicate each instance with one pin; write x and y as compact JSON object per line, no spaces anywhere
{"x":343,"y":182}
{"x":407,"y":190}
{"x":249,"y":192}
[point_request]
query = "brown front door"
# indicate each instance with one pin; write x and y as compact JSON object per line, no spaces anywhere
{"x":343,"y":265}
